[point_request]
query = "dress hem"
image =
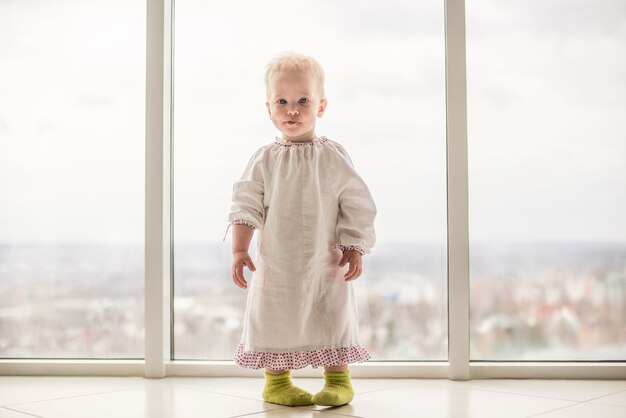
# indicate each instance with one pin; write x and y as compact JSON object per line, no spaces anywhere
{"x":300,"y":359}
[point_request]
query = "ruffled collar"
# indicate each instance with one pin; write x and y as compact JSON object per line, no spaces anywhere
{"x":317,"y":139}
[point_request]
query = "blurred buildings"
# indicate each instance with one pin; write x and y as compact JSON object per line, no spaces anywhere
{"x":528,"y":302}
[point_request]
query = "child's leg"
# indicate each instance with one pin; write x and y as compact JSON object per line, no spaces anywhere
{"x":275,"y":371}
{"x":280,"y":390}
{"x":337,"y":387}
{"x":335,"y":369}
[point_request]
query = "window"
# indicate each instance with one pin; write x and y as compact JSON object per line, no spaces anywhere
{"x":546,"y":151}
{"x":71,"y":179}
{"x":546,"y":125}
{"x":385,"y":82}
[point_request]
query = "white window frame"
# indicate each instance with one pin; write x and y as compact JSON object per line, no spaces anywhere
{"x":158,"y":232}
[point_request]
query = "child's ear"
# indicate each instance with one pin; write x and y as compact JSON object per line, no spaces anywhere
{"x":322,"y":108}
{"x":267,"y":104}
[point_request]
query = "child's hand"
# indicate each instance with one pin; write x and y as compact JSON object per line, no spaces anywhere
{"x":240,"y":259}
{"x":356,"y":262}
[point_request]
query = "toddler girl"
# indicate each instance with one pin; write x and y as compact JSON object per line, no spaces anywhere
{"x":315,"y":220}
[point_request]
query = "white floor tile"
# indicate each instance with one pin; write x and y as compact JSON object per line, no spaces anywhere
{"x":587,"y":410}
{"x":615,"y":399}
{"x":100,"y":397}
{"x":7,"y":413}
{"x":296,"y":413}
{"x":156,"y":399}
{"x":434,"y":400}
{"x":249,"y":388}
{"x":252,"y":388}
{"x":570,"y":390}
{"x":20,"y":389}
{"x":370,"y":385}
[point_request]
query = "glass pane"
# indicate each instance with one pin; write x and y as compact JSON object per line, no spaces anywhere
{"x":385,"y":76}
{"x":71,"y":178}
{"x":546,"y":100}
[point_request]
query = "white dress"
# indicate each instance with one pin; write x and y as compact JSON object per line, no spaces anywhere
{"x":308,"y":204}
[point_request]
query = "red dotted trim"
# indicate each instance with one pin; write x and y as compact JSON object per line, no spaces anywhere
{"x":244,"y":222}
{"x":239,"y":222}
{"x":350,"y":247}
{"x":321,"y":140}
{"x":300,"y":359}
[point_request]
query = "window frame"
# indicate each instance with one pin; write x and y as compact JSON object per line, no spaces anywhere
{"x":158,"y":290}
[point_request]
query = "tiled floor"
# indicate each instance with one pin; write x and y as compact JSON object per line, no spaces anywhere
{"x":134,"y":397}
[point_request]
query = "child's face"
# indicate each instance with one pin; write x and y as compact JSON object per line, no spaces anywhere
{"x":294,"y":103}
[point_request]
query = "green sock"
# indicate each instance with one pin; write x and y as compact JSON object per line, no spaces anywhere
{"x":280,"y":390}
{"x":337,"y":389}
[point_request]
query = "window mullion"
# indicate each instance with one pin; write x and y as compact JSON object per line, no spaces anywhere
{"x":157,"y":209}
{"x":457,"y":190}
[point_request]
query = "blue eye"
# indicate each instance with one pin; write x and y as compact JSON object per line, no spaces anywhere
{"x":303,"y":100}
{"x":282,"y":101}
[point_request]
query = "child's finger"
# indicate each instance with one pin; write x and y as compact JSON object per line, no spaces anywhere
{"x":351,"y":271}
{"x":235,"y":278}
{"x":356,"y":274}
{"x":343,"y":260}
{"x":238,"y":277}
{"x":250,"y":264}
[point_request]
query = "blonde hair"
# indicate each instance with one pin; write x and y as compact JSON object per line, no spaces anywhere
{"x":293,"y":62}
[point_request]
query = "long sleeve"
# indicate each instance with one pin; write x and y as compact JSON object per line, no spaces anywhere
{"x":247,"y":199}
{"x":357,"y":210}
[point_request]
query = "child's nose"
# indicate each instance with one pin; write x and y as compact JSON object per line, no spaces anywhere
{"x":292,"y":112}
